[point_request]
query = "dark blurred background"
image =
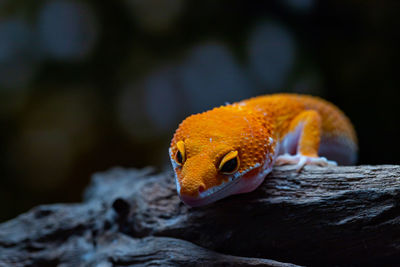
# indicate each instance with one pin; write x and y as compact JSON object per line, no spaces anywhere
{"x":87,"y":85}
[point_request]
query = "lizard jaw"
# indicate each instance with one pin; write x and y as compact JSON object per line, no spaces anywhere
{"x":236,"y":184}
{"x":211,"y":195}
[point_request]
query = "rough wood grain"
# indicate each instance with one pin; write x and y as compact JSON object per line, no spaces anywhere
{"x":322,"y":216}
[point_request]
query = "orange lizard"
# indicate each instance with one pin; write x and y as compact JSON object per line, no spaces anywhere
{"x":230,"y":149}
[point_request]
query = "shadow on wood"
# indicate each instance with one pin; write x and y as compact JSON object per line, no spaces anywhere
{"x":322,"y":216}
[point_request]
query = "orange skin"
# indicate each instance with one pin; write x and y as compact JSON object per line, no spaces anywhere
{"x":259,"y":133}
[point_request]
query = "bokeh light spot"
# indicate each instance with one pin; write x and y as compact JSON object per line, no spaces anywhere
{"x":271,"y":51}
{"x":18,"y":62}
{"x":161,"y":98}
{"x":68,"y":30}
{"x":210,"y":77}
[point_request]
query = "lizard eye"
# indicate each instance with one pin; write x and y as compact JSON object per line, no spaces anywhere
{"x":180,"y":156}
{"x":230,"y":163}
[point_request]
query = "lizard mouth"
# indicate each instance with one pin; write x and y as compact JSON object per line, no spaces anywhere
{"x":212,"y":194}
{"x":218,"y":192}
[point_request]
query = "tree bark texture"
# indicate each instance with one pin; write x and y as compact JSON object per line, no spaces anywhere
{"x":333,"y":216}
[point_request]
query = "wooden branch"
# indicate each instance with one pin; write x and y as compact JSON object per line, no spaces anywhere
{"x":322,"y":216}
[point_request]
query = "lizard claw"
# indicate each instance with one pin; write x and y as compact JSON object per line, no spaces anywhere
{"x":300,"y":161}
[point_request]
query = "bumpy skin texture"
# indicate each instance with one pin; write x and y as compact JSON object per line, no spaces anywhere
{"x":265,"y":130}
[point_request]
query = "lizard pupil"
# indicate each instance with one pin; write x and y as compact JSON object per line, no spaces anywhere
{"x":230,"y":165}
{"x":179,"y":157}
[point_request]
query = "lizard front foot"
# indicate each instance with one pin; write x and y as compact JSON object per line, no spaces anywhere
{"x":300,"y":161}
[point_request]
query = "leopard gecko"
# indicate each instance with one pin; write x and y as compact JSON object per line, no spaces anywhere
{"x":230,"y":149}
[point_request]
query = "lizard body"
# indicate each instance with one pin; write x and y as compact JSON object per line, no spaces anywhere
{"x":230,"y":149}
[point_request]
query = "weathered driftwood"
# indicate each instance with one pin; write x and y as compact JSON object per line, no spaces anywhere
{"x":322,"y":216}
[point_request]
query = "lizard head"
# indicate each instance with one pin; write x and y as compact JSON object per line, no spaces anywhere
{"x":219,"y":153}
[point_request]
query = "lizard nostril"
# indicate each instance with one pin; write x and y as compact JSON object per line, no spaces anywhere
{"x":201,"y":188}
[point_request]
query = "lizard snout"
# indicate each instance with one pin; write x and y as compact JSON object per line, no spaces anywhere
{"x":197,"y":174}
